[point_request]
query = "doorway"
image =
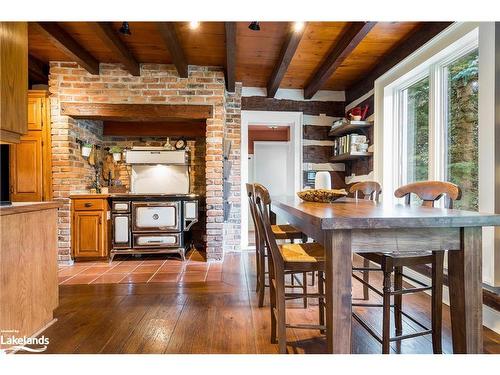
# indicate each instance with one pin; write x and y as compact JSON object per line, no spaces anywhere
{"x":271,"y":154}
{"x":270,"y":164}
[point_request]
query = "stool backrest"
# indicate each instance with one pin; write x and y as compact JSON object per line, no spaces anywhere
{"x":259,"y":236}
{"x":251,"y":203}
{"x":430,"y":192}
{"x":263,"y":203}
{"x":370,"y":189}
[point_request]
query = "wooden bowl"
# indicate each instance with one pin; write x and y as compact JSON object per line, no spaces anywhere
{"x":321,"y":195}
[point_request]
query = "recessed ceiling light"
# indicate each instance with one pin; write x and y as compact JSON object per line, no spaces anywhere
{"x":125,"y":29}
{"x":298,"y":26}
{"x":193,"y":25}
{"x":254,"y":26}
{"x":274,"y":127}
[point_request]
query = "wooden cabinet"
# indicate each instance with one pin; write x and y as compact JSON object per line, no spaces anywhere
{"x":90,"y":226}
{"x":30,"y":159}
{"x":13,"y":80}
{"x":28,"y":253}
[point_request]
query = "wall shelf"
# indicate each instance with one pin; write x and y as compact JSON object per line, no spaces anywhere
{"x":349,"y":127}
{"x":350,"y":156}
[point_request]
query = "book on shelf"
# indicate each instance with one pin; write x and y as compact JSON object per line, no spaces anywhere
{"x":348,"y":143}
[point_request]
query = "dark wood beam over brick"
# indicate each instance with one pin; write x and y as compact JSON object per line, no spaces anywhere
{"x":287,"y":51}
{"x":112,"y":41}
{"x":169,"y":36}
{"x":311,"y":107}
{"x":230,"y":28}
{"x":348,"y":42}
{"x":186,"y":129}
{"x":136,"y":112}
{"x":419,"y":37}
{"x":69,"y":46}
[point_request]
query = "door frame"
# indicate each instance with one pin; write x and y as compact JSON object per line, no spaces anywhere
{"x":295,"y":121}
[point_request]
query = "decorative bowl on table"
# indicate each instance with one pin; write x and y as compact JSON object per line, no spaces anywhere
{"x":322,"y":195}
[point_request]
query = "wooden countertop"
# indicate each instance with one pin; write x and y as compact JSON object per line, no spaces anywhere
{"x":88,"y":195}
{"x":21,"y":207}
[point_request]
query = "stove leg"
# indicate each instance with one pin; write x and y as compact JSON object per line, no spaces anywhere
{"x":183,"y":254}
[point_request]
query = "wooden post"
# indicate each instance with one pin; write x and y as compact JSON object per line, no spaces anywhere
{"x":338,"y":267}
{"x":465,"y":283}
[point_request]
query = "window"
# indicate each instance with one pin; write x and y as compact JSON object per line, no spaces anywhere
{"x":462,"y":128}
{"x":415,"y":112}
{"x":431,"y":122}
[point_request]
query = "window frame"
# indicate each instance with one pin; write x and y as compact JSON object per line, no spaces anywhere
{"x":393,"y":143}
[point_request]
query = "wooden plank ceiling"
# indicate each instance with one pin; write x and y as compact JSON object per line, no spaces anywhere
{"x":323,"y":56}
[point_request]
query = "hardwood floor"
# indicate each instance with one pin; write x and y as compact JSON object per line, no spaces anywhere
{"x":207,"y":317}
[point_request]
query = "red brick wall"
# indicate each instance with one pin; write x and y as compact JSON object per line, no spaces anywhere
{"x":157,"y":84}
{"x":232,"y":133}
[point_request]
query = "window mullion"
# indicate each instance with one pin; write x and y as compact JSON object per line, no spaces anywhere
{"x":434,"y":122}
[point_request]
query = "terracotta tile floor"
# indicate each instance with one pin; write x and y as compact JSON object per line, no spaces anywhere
{"x":161,"y":268}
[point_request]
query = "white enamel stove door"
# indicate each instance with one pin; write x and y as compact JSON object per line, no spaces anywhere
{"x":161,"y":217}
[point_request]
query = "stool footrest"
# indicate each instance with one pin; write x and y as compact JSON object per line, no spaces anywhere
{"x":410,"y":335}
{"x":368,"y":285}
{"x":409,"y":290}
{"x":306,"y":326}
{"x":300,"y":295}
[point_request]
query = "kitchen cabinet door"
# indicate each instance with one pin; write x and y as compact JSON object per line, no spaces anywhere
{"x":13,"y":80}
{"x":89,"y":234}
{"x":35,"y":112}
{"x":30,"y":159}
{"x":26,"y":174}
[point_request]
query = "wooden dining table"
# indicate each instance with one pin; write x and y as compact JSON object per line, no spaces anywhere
{"x":349,"y":226}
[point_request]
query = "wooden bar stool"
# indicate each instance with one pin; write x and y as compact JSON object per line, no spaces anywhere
{"x":294,"y":257}
{"x":281,"y":232}
{"x":429,"y":192}
{"x":368,"y":190}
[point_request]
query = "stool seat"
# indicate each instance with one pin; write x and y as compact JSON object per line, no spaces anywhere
{"x":286,"y":232}
{"x":302,"y":252}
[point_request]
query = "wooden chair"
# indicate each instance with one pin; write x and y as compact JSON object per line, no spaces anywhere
{"x":429,"y":192}
{"x":368,"y":190}
{"x":290,"y":257}
{"x":281,"y":232}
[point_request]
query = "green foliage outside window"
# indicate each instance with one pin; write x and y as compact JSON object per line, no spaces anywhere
{"x":463,"y":147}
{"x":418,"y":130}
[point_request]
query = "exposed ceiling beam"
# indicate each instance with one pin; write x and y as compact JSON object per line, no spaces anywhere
{"x":62,"y":40}
{"x":404,"y":48}
{"x":287,"y":51}
{"x":230,"y":55}
{"x":136,"y":112}
{"x":186,"y":129}
{"x":38,"y":71}
{"x":347,"y":43}
{"x":308,"y":107}
{"x":169,"y":36}
{"x":112,"y":41}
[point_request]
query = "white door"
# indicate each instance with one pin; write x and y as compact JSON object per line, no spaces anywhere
{"x":273,"y":167}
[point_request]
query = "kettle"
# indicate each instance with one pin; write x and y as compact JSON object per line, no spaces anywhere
{"x":358,"y":113}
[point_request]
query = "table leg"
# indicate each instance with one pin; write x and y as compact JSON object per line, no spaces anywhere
{"x":465,"y":283}
{"x":338,"y":269}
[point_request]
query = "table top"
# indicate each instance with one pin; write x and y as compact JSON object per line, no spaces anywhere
{"x":349,"y":213}
{"x":22,"y":207}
